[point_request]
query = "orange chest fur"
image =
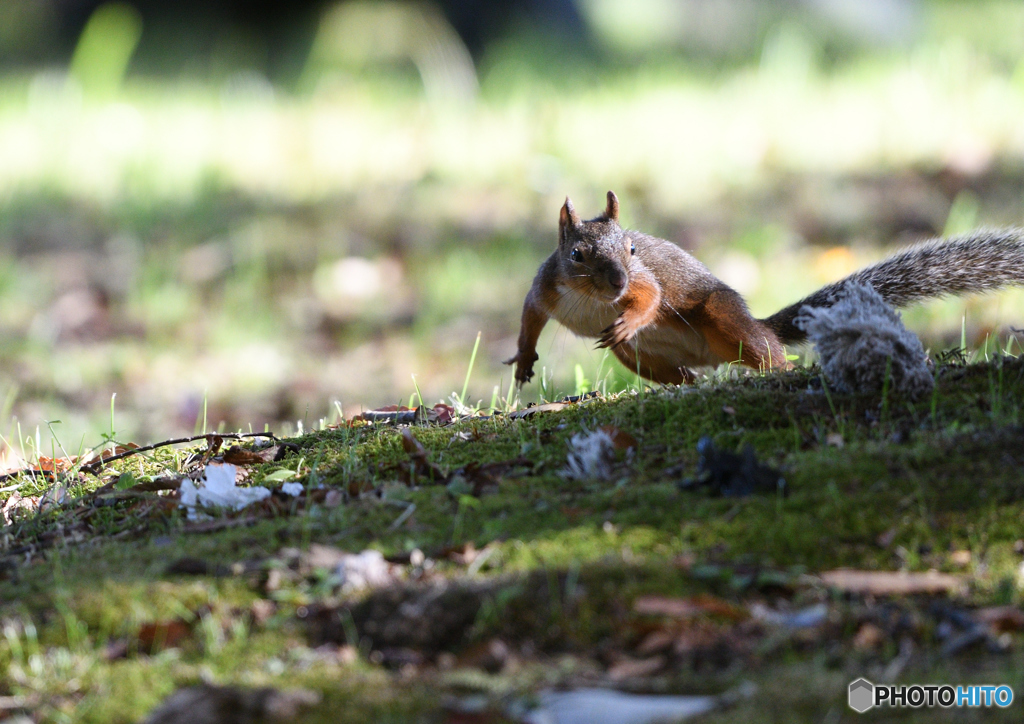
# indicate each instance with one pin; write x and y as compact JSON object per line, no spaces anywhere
{"x":669,"y":337}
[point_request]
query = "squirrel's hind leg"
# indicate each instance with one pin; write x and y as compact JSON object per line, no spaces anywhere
{"x":733,"y":335}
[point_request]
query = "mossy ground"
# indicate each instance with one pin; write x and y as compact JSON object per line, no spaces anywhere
{"x":877,"y":483}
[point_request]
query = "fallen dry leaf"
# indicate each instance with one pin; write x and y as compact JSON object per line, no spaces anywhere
{"x":154,"y":637}
{"x":703,"y":604}
{"x":413,"y":446}
{"x":490,"y":655}
{"x":275,"y":453}
{"x":1001,"y":618}
{"x":54,"y":465}
{"x":656,"y":642}
{"x":961,"y":559}
{"x":890,"y":583}
{"x":868,"y":637}
{"x":17,"y":501}
{"x":441,"y":414}
{"x":621,"y":439}
{"x":418,"y":455}
{"x":628,"y":668}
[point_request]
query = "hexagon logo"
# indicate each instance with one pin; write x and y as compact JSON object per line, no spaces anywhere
{"x":862,"y":695}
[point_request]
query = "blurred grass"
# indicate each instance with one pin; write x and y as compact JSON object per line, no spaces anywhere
{"x":263,"y":253}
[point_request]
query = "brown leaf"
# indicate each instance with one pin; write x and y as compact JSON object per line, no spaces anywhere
{"x":240,"y":456}
{"x":413,"y":446}
{"x":890,"y":583}
{"x":275,"y":453}
{"x":868,"y":637}
{"x":620,"y":438}
{"x":656,"y":642}
{"x":213,"y":445}
{"x":463,"y":555}
{"x":441,"y":414}
{"x":703,"y":604}
{"x":418,"y":454}
{"x":489,"y":655}
{"x":696,"y":638}
{"x":481,"y":477}
{"x":53,"y":465}
{"x":628,"y":668}
{"x":664,"y":606}
{"x":162,"y":635}
{"x":1001,"y":618}
{"x":358,"y":487}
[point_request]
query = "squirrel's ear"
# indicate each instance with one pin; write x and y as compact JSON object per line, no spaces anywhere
{"x":568,"y":216}
{"x":611,"y":211}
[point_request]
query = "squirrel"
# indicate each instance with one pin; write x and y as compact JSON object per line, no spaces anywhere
{"x":661,"y":312}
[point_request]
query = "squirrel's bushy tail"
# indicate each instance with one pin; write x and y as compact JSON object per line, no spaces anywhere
{"x":980,"y":261}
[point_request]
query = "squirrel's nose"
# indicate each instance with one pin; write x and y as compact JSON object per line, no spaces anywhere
{"x":617,"y":280}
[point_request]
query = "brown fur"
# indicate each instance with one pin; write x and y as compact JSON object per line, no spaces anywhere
{"x":652,"y":367}
{"x":660,"y":311}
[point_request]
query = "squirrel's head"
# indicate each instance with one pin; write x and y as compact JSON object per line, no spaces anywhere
{"x":595,"y":255}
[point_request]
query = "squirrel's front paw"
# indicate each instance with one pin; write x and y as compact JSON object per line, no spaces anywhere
{"x":524,"y":366}
{"x":615,"y":334}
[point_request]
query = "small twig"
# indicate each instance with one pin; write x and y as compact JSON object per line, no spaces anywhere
{"x":95,"y":467}
{"x":33,"y":472}
{"x":403,"y":517}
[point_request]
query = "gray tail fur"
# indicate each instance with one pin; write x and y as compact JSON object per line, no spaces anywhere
{"x":980,"y":261}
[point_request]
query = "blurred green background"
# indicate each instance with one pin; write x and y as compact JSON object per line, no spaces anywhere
{"x":265,"y":212}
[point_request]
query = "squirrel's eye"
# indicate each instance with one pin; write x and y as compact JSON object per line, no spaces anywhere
{"x":632,"y":248}
{"x":576,"y":255}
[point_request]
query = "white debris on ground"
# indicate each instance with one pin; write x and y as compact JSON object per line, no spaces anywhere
{"x":363,"y":570}
{"x":590,"y":456}
{"x":807,"y":617}
{"x":606,"y":706}
{"x":218,"y":491}
{"x":349,"y":572}
{"x":292,"y":489}
{"x":864,"y":346}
